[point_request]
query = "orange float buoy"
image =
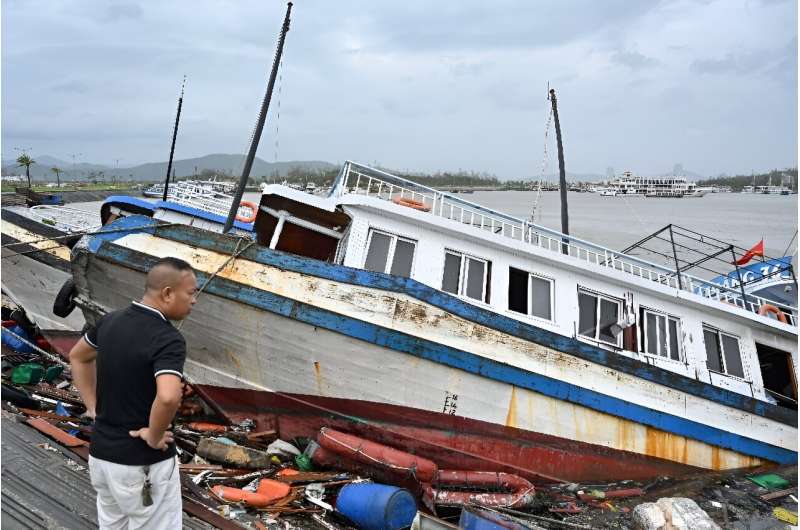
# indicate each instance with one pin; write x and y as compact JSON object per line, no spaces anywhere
{"x":769,"y":308}
{"x":411,"y":203}
{"x":268,"y":492}
{"x":253,"y":209}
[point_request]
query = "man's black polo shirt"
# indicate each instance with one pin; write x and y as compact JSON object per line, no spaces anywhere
{"x":134,"y":346}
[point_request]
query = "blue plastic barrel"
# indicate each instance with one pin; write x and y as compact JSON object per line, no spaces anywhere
{"x":13,"y":342}
{"x":377,"y":506}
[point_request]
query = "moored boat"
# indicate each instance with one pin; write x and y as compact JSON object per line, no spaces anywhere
{"x":482,"y":340}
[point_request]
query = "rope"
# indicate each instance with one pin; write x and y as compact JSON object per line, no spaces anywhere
{"x":37,"y":349}
{"x":545,"y":158}
{"x":790,"y":244}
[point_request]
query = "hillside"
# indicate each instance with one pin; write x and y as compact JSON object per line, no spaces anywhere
{"x":224,"y":164}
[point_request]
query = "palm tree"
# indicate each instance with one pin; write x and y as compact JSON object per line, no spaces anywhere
{"x":27,"y":161}
{"x":57,"y":171}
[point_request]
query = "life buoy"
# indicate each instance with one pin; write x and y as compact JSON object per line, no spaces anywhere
{"x":411,"y":203}
{"x":376,"y":454}
{"x":769,"y":308}
{"x":516,"y":492}
{"x":64,"y":303}
{"x":268,"y":491}
{"x":253,"y":209}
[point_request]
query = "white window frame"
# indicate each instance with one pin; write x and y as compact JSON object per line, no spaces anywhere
{"x":392,"y":244}
{"x":608,"y":298}
{"x":723,"y":361}
{"x":668,"y":317}
{"x":463,"y":271}
{"x":552,"y":283}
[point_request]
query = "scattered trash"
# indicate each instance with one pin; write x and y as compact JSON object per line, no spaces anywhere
{"x":782,"y":514}
{"x":281,"y":448}
{"x":235,"y":455}
{"x":27,"y":374}
{"x":769,"y":481}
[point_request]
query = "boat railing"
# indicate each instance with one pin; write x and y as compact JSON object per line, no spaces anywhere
{"x":202,"y":196}
{"x":64,"y":218}
{"x":362,"y":180}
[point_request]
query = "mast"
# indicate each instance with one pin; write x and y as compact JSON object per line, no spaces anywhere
{"x":562,"y":175}
{"x":248,"y":164}
{"x":174,"y":136}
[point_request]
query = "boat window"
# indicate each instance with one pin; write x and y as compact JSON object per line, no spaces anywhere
{"x":588,"y":310}
{"x":597,"y":314}
{"x":609,"y":315}
{"x":530,"y":294}
{"x":403,"y":258}
{"x":733,"y":358}
{"x":778,"y":375}
{"x":661,"y":334}
{"x":452,"y":271}
{"x":476,"y":272}
{"x":722,"y":352}
{"x":713,"y":360}
{"x":389,"y":253}
{"x":466,"y":276}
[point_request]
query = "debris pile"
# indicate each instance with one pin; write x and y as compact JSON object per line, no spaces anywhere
{"x":234,"y":475}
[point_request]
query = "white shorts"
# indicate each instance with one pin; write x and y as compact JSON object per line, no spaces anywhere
{"x":119,"y":495}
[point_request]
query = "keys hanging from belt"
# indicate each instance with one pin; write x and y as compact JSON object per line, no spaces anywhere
{"x":147,"y":498}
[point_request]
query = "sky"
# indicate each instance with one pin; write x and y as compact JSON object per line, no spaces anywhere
{"x":412,"y":85}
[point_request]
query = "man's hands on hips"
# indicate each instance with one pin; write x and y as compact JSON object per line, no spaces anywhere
{"x":147,"y":435}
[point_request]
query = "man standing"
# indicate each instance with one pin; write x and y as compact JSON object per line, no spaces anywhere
{"x":128,"y":369}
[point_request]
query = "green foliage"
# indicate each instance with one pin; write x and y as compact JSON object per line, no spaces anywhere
{"x":27,"y":161}
{"x":762,"y":179}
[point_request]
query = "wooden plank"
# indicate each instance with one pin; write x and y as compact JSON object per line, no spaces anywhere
{"x":54,"y":432}
{"x":777,"y":494}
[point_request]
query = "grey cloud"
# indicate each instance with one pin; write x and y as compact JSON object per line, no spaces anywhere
{"x":116,"y":12}
{"x":390,"y":80}
{"x":75,"y":87}
{"x":633,"y":60}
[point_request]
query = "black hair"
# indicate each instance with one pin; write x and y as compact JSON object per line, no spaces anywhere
{"x":156,"y":281}
{"x":173,"y":263}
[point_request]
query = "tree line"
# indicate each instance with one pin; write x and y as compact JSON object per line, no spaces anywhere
{"x":776,"y":176}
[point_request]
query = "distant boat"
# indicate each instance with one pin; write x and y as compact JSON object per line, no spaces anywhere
{"x":607,"y":192}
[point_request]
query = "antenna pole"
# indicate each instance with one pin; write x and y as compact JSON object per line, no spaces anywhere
{"x":562,"y":175}
{"x":262,"y":117}
{"x":174,"y":137}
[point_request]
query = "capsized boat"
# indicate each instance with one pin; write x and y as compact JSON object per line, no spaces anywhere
{"x":482,"y":341}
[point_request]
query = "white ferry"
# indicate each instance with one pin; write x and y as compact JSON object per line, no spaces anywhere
{"x":397,"y":311}
{"x":670,"y":186}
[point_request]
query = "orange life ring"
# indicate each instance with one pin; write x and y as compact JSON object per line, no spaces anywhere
{"x":769,"y":308}
{"x":517,"y":492}
{"x":268,"y":491}
{"x":411,"y":203}
{"x":253,"y":208}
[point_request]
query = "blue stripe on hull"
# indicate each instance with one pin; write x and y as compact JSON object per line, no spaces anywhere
{"x":226,"y":244}
{"x":462,"y":360}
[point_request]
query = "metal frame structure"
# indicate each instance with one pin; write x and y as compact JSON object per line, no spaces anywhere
{"x":706,"y":249}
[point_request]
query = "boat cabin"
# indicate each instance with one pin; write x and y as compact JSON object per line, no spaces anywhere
{"x":661,"y":316}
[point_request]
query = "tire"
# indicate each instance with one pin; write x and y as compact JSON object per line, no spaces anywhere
{"x":65,"y":299}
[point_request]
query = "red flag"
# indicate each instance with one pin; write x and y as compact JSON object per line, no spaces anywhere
{"x":757,"y":250}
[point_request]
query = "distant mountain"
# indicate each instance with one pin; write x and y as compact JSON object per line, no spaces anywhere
{"x":223,"y":163}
